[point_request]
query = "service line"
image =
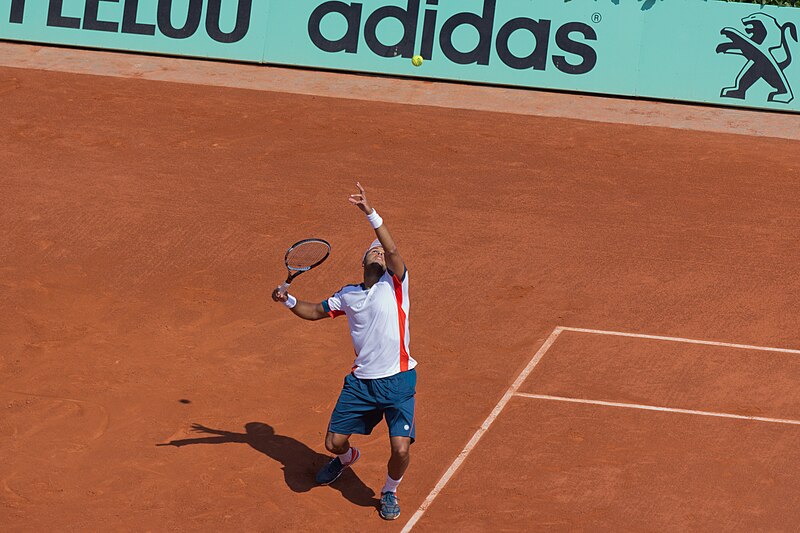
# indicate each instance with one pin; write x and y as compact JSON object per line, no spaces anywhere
{"x":657,"y":408}
{"x":512,"y":391}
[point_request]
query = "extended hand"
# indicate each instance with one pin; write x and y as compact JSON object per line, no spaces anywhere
{"x":360,"y":200}
{"x":279,"y":295}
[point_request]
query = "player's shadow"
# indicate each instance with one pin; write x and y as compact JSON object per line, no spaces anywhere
{"x":300,"y":463}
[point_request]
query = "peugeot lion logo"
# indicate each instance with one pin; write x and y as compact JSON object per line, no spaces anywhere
{"x":766,"y":49}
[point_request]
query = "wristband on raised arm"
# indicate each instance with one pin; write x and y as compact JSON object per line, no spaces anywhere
{"x":375,"y":219}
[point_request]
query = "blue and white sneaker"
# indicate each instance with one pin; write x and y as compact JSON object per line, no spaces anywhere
{"x":331,"y":471}
{"x":390,"y":508}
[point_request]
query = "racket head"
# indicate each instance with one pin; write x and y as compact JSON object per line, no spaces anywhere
{"x":306,"y":254}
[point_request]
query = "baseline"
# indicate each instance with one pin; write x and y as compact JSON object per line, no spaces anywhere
{"x":512,"y":391}
{"x":678,"y":339}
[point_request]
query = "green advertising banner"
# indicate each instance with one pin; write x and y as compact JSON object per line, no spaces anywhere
{"x":220,"y":29}
{"x":718,"y":52}
{"x":513,"y":42}
{"x":692,"y":50}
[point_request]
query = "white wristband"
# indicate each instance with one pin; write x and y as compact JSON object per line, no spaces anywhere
{"x":290,"y":302}
{"x":375,"y":219}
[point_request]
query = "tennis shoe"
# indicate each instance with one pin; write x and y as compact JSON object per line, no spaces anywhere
{"x":390,"y":508}
{"x":334,"y":468}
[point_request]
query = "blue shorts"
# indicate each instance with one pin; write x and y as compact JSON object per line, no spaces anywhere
{"x":363,"y":402}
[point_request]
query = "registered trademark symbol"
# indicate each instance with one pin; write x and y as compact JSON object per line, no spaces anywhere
{"x":596,"y":17}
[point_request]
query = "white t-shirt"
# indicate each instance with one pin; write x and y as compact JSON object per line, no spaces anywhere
{"x":378,"y":320}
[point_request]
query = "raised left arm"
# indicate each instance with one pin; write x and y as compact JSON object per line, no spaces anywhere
{"x":394,"y":261}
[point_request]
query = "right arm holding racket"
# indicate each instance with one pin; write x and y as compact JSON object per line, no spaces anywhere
{"x":309,"y":253}
{"x":301,"y":257}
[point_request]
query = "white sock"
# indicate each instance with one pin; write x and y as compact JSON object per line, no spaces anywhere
{"x":347,"y":456}
{"x":391,"y":484}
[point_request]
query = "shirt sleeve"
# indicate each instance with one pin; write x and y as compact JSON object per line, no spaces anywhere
{"x":333,"y":305}
{"x":393,"y":275}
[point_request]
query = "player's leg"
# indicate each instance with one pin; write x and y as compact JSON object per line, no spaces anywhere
{"x":354,"y":413}
{"x":398,"y":462}
{"x":396,"y":469}
{"x":399,"y":416}
{"x":346,"y":456}
{"x":336,"y":443}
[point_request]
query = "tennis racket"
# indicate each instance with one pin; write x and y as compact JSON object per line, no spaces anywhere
{"x":302,"y":256}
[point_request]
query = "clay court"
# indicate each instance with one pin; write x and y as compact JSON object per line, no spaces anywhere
{"x":604,"y":313}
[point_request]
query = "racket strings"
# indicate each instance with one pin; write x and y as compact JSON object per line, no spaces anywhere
{"x":306,"y":255}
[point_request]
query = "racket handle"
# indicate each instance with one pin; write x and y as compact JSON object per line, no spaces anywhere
{"x":284,"y":287}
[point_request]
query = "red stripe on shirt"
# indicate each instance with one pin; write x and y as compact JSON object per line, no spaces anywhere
{"x":335,"y":313}
{"x":401,"y":316}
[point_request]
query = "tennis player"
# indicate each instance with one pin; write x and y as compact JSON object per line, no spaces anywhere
{"x":382,"y":382}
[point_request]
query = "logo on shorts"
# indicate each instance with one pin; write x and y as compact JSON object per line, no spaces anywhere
{"x":767,"y":54}
{"x":406,"y":427}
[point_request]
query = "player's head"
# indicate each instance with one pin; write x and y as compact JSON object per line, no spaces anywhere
{"x":373,"y":257}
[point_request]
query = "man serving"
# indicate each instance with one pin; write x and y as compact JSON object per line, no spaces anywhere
{"x":382,"y":382}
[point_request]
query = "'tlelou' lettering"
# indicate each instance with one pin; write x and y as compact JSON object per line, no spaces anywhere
{"x":130,"y":23}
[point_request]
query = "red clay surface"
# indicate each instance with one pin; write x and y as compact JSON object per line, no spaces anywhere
{"x":583,"y":467}
{"x":143,"y":228}
{"x":669,"y":374}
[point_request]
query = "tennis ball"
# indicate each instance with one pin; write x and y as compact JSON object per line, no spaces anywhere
{"x":416,"y":61}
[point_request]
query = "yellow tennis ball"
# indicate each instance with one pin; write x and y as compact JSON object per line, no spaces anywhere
{"x":416,"y":61}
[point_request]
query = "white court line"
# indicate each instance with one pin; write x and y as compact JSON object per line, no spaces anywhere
{"x":655,"y":408}
{"x":512,"y":391}
{"x":479,"y":433}
{"x":679,"y":339}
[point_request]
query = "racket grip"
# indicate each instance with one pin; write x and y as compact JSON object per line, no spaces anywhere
{"x":284,"y":287}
